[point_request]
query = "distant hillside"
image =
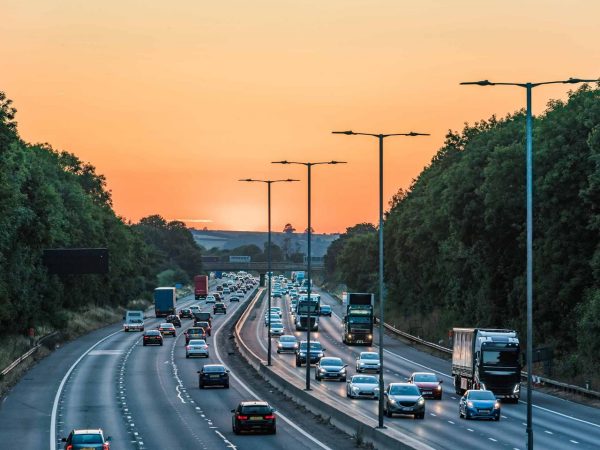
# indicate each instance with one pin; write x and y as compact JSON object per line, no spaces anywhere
{"x":228,"y":240}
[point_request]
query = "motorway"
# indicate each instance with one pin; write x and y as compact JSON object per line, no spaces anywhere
{"x":143,"y":397}
{"x":558,"y":424}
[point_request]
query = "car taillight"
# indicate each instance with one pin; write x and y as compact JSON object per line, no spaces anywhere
{"x":106,"y":446}
{"x":269,"y":417}
{"x":145,"y":337}
{"x":69,"y":447}
{"x":242,"y":417}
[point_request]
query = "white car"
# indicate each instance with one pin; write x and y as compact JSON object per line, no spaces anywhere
{"x":368,"y":361}
{"x":210,"y":299}
{"x":362,"y":386}
{"x":277,"y":329}
{"x":196,"y":347}
{"x":276,"y":310}
{"x":274,"y":318}
{"x":195,"y":309}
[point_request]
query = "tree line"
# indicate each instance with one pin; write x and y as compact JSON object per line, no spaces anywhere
{"x":51,"y":199}
{"x":455,"y":240}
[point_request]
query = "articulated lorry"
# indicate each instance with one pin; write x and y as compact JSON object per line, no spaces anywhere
{"x":358,"y":320}
{"x":487,"y":359}
{"x":200,"y":286}
{"x":164,"y":301}
{"x":303,"y":308}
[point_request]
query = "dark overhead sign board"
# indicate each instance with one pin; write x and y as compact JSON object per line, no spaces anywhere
{"x":77,"y":261}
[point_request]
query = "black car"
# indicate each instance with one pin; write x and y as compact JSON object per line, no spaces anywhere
{"x":152,"y":337}
{"x":186,"y":313}
{"x":234,"y":298}
{"x":175,"y":320}
{"x":213,"y":375}
{"x":316,"y":353}
{"x":331,"y":369}
{"x":254,"y":416}
{"x":325,"y":310}
{"x":86,"y":439}
{"x":219,"y":308}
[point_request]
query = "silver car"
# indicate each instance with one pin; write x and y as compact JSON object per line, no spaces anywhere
{"x":368,"y":361}
{"x":196,"y":347}
{"x":210,"y":299}
{"x":362,"y":386}
{"x":287,"y":343}
{"x":277,"y":329}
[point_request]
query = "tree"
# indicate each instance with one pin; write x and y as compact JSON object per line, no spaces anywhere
{"x":288,"y":228}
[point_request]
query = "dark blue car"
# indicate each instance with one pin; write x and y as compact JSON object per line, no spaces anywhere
{"x":479,"y":404}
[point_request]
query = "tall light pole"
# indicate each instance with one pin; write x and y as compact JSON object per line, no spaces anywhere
{"x":529,"y":182}
{"x":268,"y":183}
{"x":380,"y":137}
{"x":309,"y":166}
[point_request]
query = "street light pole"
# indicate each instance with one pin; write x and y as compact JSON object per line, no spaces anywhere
{"x":269,"y":183}
{"x":380,"y":138}
{"x":529,"y":220}
{"x":308,"y":278}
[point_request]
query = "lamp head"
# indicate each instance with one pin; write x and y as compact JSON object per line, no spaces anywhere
{"x":479,"y":83}
{"x":348,"y":132}
{"x":578,"y":80}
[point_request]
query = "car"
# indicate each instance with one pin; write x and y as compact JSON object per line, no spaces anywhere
{"x":331,"y":368}
{"x":167,"y":328}
{"x":315,"y":354}
{"x":204,"y":324}
{"x":196,"y":347}
{"x":186,"y":313}
{"x":194,"y":333}
{"x":220,"y":288}
{"x":87,"y":439}
{"x":226,"y":291}
{"x":428,"y":384}
{"x":368,"y":361}
{"x":218,"y":297}
{"x":287,"y":343}
{"x":234,"y":298}
{"x":325,"y":310}
{"x":276,"y":293}
{"x":195,"y":309}
{"x":210,"y":299}
{"x":277,"y":329}
{"x":254,"y":416}
{"x":403,"y":398}
{"x":274,"y":318}
{"x":152,"y":337}
{"x":219,"y":308}
{"x":479,"y":404}
{"x":362,"y":386}
{"x":174,"y":319}
{"x":213,"y":375}
{"x":275,"y":309}
{"x":202,"y":317}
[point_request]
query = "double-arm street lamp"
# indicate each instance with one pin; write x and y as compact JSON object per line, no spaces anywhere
{"x":268,"y":183}
{"x":308,"y":323}
{"x":529,"y":182}
{"x":380,"y":137}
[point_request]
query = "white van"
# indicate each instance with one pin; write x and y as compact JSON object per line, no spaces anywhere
{"x":134,"y":321}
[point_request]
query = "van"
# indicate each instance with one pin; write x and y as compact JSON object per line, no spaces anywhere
{"x":134,"y":321}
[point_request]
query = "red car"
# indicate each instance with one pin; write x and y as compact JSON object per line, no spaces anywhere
{"x":429,"y":385}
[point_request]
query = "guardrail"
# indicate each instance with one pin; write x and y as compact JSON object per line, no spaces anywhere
{"x":26,"y":355}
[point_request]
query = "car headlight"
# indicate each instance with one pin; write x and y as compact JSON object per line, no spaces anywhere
{"x":349,"y":336}
{"x":421,"y":401}
{"x":320,"y":354}
{"x":302,"y":354}
{"x":295,"y":345}
{"x":370,"y":336}
{"x":321,"y":370}
{"x":439,"y":387}
{"x":470,"y":404}
{"x":392,"y":401}
{"x":497,"y":405}
{"x":343,"y":370}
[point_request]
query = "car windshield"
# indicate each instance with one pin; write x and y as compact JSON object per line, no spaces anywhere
{"x":196,"y":331}
{"x":313,"y":346}
{"x":332,"y":362}
{"x":152,"y":333}
{"x":506,"y":358}
{"x":404,"y":390}
{"x":203,"y":324}
{"x":364,"y":379}
{"x":214,"y":369}
{"x":256,"y":409}
{"x":481,"y":395}
{"x":287,"y":339}
{"x":325,"y":308}
{"x":166,"y":325}
{"x":276,"y":325}
{"x":426,"y":378}
{"x":369,"y":356}
{"x":87,"y":439}
{"x":197,"y":342}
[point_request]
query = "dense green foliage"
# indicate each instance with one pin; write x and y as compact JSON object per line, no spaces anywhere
{"x":455,"y":241}
{"x":51,"y":199}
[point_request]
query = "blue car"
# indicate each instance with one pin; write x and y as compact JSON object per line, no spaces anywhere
{"x":479,"y":404}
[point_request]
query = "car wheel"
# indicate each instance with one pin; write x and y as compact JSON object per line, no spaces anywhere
{"x":420,"y":416}
{"x":467,"y":415}
{"x":298,"y":363}
{"x":200,"y":386}
{"x":274,"y":430}
{"x":348,"y":394}
{"x":344,"y":379}
{"x":161,"y":343}
{"x":187,"y":356}
{"x":226,"y":385}
{"x":144,"y":344}
{"x":497,"y":418}
{"x":235,"y":430}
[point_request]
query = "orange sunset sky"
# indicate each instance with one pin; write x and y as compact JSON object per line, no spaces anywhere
{"x":175,"y":101}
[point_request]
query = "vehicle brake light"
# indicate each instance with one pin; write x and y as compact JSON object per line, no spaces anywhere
{"x":242,"y":417}
{"x":69,"y":447}
{"x":270,"y":417}
{"x":105,"y":446}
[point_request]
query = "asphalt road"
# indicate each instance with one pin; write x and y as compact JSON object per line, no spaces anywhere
{"x":558,"y":424}
{"x":143,"y":397}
